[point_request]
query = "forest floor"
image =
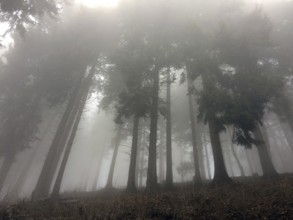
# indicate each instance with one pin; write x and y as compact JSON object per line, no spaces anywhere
{"x":252,"y":198}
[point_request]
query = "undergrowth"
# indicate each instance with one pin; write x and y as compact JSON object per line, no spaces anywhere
{"x":253,"y":199}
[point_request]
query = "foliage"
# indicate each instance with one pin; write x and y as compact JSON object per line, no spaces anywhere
{"x":20,"y":14}
{"x":238,"y":83}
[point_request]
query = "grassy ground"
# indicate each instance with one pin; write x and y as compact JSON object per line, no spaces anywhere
{"x":248,"y":199}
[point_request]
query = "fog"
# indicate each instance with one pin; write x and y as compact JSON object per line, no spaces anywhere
{"x":133,"y":95}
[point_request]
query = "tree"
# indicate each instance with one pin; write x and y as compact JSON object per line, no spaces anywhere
{"x":264,"y":155}
{"x":116,"y":143}
{"x":234,"y":153}
{"x":75,"y":119}
{"x":169,"y":172}
{"x":197,"y":176}
{"x":83,"y":53}
{"x":227,"y":72}
{"x":19,"y":14}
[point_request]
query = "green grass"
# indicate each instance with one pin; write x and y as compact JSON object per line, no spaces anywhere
{"x":250,"y":199}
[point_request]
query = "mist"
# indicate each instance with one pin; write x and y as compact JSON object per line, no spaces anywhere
{"x":123,"y":100}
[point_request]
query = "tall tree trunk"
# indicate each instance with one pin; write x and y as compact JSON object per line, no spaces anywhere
{"x":276,"y":145}
{"x":288,"y":133}
{"x":152,"y":180}
{"x":162,"y":155}
{"x":249,"y":162}
{"x":220,"y":176}
{"x":131,"y":188}
{"x":208,"y":162}
{"x":42,"y":189}
{"x":169,"y":171}
{"x":200,"y":151}
{"x":227,"y":161}
{"x":4,"y":170}
{"x":97,"y":174}
{"x":264,"y":155}
{"x":197,"y":177}
{"x":83,"y":97}
{"x":234,"y":153}
{"x":138,"y":157}
{"x":15,"y":136}
{"x":237,"y":161}
{"x":113,"y":161}
{"x":25,"y":170}
{"x":141,"y":164}
{"x":57,"y":185}
{"x":209,"y":176}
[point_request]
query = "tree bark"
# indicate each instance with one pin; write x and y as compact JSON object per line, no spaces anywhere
{"x":6,"y":165}
{"x":15,"y":136}
{"x":42,"y":189}
{"x":288,"y":134}
{"x":209,"y":176}
{"x":152,"y":180}
{"x":138,"y":157}
{"x":169,"y":171}
{"x":24,"y":174}
{"x":276,"y":144}
{"x":265,"y":159}
{"x":237,"y":161}
{"x":80,"y":107}
{"x":249,"y":162}
{"x":197,"y":177}
{"x":162,"y":155}
{"x":57,"y":185}
{"x":220,"y":176}
{"x":208,"y":162}
{"x":228,"y":161}
{"x":96,"y":178}
{"x":200,"y":152}
{"x":113,"y":161}
{"x":131,"y":188}
{"x":235,"y":155}
{"x":141,"y":164}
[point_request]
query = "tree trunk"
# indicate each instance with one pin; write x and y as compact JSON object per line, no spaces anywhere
{"x":113,"y":161}
{"x":220,"y":176}
{"x":288,"y":133}
{"x":209,"y":176}
{"x":76,"y":119}
{"x":138,"y":157}
{"x":197,"y":177}
{"x":249,"y":162}
{"x":264,"y":156}
{"x":4,"y":170}
{"x":57,"y":185}
{"x":169,"y":172}
{"x":42,"y":189}
{"x":162,"y":155}
{"x":152,"y":181}
{"x":25,"y":170}
{"x":131,"y":188}
{"x":237,"y":161}
{"x":200,"y":151}
{"x":208,"y":162}
{"x":141,"y":164}
{"x":96,"y":178}
{"x":228,"y":161}
{"x":276,"y":145}
{"x":235,"y":155}
{"x":15,"y":136}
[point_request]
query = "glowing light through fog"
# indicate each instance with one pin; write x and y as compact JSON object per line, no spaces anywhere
{"x":100,"y":3}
